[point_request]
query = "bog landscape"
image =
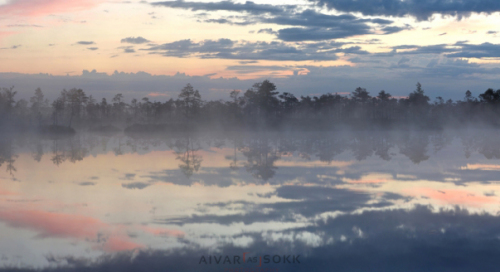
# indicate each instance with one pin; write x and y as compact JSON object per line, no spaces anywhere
{"x":266,"y":136}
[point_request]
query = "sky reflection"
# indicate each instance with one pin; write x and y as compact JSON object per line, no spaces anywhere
{"x":418,"y":200}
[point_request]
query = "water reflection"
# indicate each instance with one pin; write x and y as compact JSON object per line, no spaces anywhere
{"x":344,"y":201}
{"x":261,"y":151}
{"x":185,"y":150}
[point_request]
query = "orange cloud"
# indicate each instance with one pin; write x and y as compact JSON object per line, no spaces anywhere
{"x":34,"y":8}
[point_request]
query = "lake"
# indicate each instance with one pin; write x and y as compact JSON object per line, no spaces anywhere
{"x":252,"y":201}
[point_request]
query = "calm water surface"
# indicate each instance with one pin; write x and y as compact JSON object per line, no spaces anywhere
{"x":322,"y":201}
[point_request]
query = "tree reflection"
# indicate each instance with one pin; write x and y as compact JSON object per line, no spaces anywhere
{"x":258,"y":152}
{"x":261,"y":157}
{"x":7,"y":155}
{"x":185,"y":149}
{"x":414,"y":146}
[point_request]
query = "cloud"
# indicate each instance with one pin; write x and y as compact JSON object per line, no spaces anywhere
{"x":36,"y":8}
{"x":248,"y":7}
{"x":427,"y":49}
{"x":322,"y":26}
{"x":12,"y":47}
{"x":92,"y":48}
{"x":403,"y":60}
{"x":85,"y":42}
{"x":229,"y":49}
{"x":135,"y":185}
{"x":136,"y":40}
{"x":86,"y":183}
{"x":311,"y":18}
{"x":267,"y":31}
{"x":394,"y":29}
{"x":420,"y":9}
{"x":307,"y":202}
{"x":479,"y":51}
{"x":248,"y":69}
{"x":248,"y":61}
{"x":129,"y":176}
{"x":24,"y":25}
{"x":60,"y":225}
{"x":317,"y":34}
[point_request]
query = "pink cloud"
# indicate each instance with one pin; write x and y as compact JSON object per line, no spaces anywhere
{"x":117,"y":243}
{"x":455,"y":197}
{"x":7,"y":192}
{"x":60,"y":225}
{"x":34,"y":8}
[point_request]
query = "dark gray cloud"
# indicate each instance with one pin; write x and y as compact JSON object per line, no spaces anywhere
{"x":228,"y":49}
{"x":85,"y":42}
{"x":129,"y":176}
{"x":428,"y":49}
{"x":229,"y":21}
{"x":311,"y":18}
{"x":86,"y":183}
{"x":420,"y":9}
{"x":461,"y":49}
{"x":135,"y":40}
{"x":248,"y":61}
{"x":484,"y":50}
{"x":267,"y":31}
{"x":318,"y":34}
{"x":492,"y":32}
{"x":394,"y":29}
{"x":249,"y":7}
{"x":403,"y":60}
{"x":136,"y":185}
{"x":323,"y":26}
{"x":361,"y":60}
{"x":309,"y":201}
{"x":92,"y":48}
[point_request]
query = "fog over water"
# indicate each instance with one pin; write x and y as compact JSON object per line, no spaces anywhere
{"x":342,"y":200}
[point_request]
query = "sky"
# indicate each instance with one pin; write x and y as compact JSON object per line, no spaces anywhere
{"x":307,"y":47}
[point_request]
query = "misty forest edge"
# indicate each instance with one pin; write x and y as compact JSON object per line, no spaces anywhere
{"x":260,"y":107}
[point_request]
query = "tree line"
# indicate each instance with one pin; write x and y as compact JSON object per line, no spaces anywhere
{"x":261,"y":106}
